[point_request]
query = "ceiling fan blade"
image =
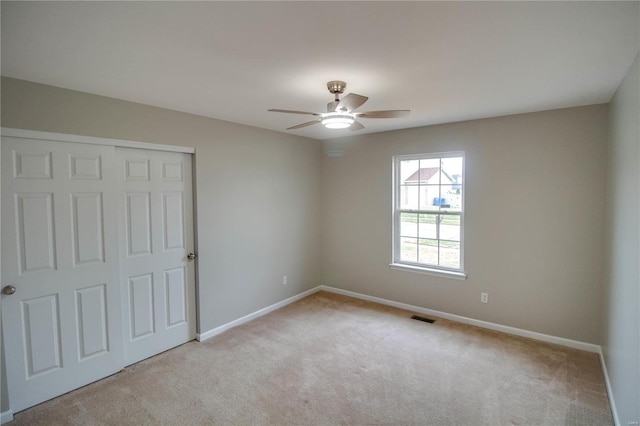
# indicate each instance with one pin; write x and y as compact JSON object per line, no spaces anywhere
{"x":300,"y":126}
{"x":395,"y":113}
{"x":351,"y":102}
{"x":289,"y":111}
{"x":356,"y":126}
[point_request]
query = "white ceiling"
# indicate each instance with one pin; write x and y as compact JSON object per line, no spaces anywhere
{"x":446,"y":61}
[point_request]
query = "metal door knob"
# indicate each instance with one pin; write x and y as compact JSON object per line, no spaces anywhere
{"x":191,"y":256}
{"x":10,"y":289}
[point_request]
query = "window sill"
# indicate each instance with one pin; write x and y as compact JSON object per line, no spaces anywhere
{"x":429,"y":271}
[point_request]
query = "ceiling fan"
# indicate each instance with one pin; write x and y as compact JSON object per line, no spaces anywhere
{"x":341,"y":112}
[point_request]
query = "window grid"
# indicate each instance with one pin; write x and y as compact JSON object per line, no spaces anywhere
{"x":441,"y":210}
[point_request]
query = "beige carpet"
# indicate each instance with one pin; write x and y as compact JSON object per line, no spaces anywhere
{"x":330,"y":359}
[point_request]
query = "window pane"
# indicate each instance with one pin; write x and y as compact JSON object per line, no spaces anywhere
{"x":452,"y":170}
{"x":428,"y":251}
{"x":451,"y":197}
{"x":408,"y":169}
{"x":450,"y":227}
{"x":408,"y":225}
{"x":450,"y":254}
{"x":409,"y":249}
{"x":427,"y":227}
{"x":430,"y":171}
{"x":429,"y":197}
{"x":409,"y":197}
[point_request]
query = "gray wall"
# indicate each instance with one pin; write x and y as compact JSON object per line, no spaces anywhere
{"x":258,"y":191}
{"x":4,"y":399}
{"x":621,"y":331}
{"x":534,"y":220}
{"x":534,"y":212}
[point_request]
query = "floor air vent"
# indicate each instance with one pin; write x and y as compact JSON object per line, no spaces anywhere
{"x":429,"y":320}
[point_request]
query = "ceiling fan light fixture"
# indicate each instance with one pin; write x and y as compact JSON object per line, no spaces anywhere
{"x":337,"y":120}
{"x":341,"y":112}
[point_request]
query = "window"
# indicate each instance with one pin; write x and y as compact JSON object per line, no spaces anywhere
{"x":428,"y":212}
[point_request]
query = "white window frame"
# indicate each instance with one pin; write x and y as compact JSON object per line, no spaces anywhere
{"x":396,"y":263}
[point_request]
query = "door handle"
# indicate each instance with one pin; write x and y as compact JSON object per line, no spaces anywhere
{"x":9,"y":290}
{"x":191,"y":256}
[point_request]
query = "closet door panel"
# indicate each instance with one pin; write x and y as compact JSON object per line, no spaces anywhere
{"x":62,"y":326}
{"x":155,"y":211}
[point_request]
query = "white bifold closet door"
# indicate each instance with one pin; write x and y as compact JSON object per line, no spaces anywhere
{"x":62,"y":326}
{"x":95,"y":240}
{"x":157,"y":278}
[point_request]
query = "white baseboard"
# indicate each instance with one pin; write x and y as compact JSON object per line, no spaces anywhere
{"x":215,"y":331}
{"x":614,"y":410}
{"x":589,"y":347}
{"x":6,"y":417}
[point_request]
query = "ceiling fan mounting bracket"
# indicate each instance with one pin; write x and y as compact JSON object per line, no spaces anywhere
{"x":336,"y":87}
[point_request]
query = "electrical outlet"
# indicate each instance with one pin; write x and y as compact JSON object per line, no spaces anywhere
{"x":484,"y":297}
{"x":285,"y":281}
